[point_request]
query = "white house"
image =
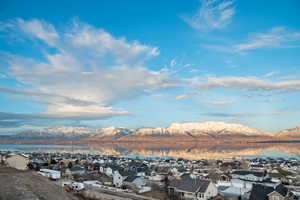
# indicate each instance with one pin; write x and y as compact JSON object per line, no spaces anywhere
{"x":248,"y":175}
{"x":118,"y":179}
{"x":119,"y":176}
{"x":108,"y":171}
{"x":96,"y":184}
{"x":234,"y":188}
{"x":52,"y":174}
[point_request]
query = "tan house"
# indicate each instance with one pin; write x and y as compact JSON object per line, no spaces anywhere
{"x":17,"y":161}
{"x":276,"y":196}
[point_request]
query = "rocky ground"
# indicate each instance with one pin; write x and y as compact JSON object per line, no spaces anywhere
{"x":27,"y":185}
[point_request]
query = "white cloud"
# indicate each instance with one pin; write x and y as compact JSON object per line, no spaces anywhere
{"x":247,"y":84}
{"x":212,"y":14}
{"x":183,"y":96}
{"x":222,"y":102}
{"x":37,"y":28}
{"x":272,"y":73}
{"x":100,"y":113}
{"x":101,"y":43}
{"x":277,"y":37}
{"x":44,"y":97}
{"x":173,"y":63}
{"x":81,"y":112}
{"x":90,"y":65}
{"x":193,"y":71}
{"x":160,"y":95}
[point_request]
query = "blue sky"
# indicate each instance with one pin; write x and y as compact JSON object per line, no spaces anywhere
{"x":149,"y":63}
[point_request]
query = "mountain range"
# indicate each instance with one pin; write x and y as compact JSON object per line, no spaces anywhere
{"x":180,"y":131}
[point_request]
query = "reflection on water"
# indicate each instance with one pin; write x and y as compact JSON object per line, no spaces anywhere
{"x":184,"y":150}
{"x":203,"y":150}
{"x":27,"y":148}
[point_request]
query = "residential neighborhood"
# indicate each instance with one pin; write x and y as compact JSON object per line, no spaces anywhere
{"x":165,"y":178}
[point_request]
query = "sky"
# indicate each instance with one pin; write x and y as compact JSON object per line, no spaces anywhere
{"x":149,"y":63}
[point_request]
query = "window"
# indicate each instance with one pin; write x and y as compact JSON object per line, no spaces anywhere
{"x":275,"y":198}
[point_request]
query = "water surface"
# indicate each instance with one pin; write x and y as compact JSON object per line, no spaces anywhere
{"x":148,"y":150}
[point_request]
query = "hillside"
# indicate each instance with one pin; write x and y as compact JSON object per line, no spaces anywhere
{"x":27,"y":185}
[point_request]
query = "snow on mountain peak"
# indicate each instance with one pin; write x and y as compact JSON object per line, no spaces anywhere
{"x":214,"y":127}
{"x":191,"y":128}
{"x":68,"y":129}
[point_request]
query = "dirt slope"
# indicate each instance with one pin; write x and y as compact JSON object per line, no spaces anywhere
{"x":26,"y":185}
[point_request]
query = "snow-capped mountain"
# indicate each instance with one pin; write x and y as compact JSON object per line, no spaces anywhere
{"x":293,"y":132}
{"x":113,"y":131}
{"x":58,"y":131}
{"x":203,"y":128}
{"x":192,"y":129}
{"x":75,"y":132}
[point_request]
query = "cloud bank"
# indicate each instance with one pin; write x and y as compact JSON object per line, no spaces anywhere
{"x":247,"y":84}
{"x":86,"y":71}
{"x":277,"y":37}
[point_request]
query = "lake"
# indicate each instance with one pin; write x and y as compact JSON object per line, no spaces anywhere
{"x":193,"y":152}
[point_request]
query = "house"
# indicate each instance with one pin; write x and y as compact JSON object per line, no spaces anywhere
{"x":263,"y":192}
{"x":37,"y":164}
{"x":52,"y":174}
{"x":233,"y":192}
{"x":178,"y":171}
{"x":249,"y":175}
{"x":93,"y":183}
{"x":118,"y":179}
{"x":120,"y":175}
{"x":189,"y":188}
{"x":134,"y":181}
{"x":235,"y":188}
{"x":76,"y":169}
{"x":256,"y":167}
{"x":18,"y":161}
{"x":110,"y":169}
{"x":156,"y":177}
{"x":275,"y":177}
{"x":230,"y":165}
{"x":140,"y":168}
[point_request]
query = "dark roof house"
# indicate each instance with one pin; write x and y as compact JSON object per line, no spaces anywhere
{"x":263,"y":192}
{"x":187,"y":187}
